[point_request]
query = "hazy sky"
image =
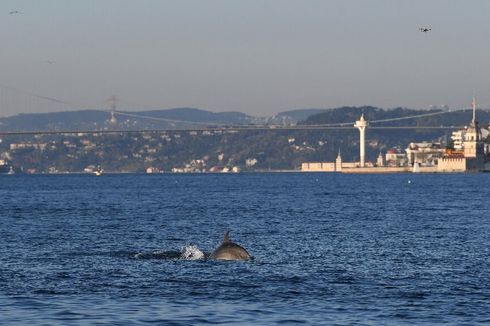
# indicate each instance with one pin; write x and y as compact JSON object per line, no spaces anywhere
{"x":255,"y":56}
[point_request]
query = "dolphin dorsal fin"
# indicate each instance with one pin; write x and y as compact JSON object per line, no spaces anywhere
{"x":227,"y":237}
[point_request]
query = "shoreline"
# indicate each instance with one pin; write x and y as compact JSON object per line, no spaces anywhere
{"x":394,"y":170}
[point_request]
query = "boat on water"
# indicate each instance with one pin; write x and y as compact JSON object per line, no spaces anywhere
{"x":11,"y":171}
{"x":98,"y":172}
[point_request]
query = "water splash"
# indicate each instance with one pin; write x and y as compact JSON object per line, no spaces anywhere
{"x":191,"y":252}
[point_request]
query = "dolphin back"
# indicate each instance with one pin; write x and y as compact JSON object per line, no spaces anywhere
{"x":229,"y":250}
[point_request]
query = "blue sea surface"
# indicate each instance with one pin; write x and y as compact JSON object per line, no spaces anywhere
{"x":328,"y":249}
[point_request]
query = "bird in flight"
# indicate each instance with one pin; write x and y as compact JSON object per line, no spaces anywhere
{"x":425,"y":29}
{"x":15,"y":12}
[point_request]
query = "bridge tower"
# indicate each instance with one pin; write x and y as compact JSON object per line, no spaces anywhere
{"x":113,"y":100}
{"x":362,"y":124}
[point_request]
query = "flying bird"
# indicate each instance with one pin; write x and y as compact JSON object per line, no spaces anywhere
{"x":425,"y":29}
{"x":15,"y":12}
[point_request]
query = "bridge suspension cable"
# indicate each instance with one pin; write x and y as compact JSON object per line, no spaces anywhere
{"x":340,"y":124}
{"x":14,"y":100}
{"x":325,"y":125}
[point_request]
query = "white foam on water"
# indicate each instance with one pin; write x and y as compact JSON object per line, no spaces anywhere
{"x":191,"y":252}
{"x":138,"y":255}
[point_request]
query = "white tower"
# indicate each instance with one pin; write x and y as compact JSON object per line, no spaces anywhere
{"x":473,"y":146}
{"x":338,"y":163}
{"x":380,"y":161}
{"x":362,"y":124}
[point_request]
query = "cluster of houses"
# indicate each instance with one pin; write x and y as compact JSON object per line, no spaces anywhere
{"x":145,"y":148}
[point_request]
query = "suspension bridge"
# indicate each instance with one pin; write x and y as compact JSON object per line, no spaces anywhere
{"x":14,"y":101}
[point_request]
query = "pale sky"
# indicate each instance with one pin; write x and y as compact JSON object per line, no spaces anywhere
{"x":255,"y":56}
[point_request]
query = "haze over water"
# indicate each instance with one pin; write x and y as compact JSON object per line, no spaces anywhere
{"x":253,"y":56}
{"x":328,"y":248}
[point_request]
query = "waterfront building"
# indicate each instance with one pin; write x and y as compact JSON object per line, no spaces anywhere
{"x":469,"y":153}
{"x":337,"y":166}
{"x":458,"y":138}
{"x":395,"y":158}
{"x":452,"y":161}
{"x":472,"y":155}
{"x":318,"y":167}
{"x":152,"y":170}
{"x":425,"y":153}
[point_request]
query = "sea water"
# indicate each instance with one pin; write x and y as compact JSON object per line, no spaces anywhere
{"x":328,"y":249}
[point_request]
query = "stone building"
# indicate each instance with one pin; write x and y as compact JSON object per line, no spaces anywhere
{"x":472,"y":157}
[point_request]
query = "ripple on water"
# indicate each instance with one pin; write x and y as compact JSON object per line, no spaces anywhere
{"x":342,"y":249}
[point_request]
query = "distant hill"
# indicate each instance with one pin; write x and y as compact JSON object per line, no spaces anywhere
{"x":181,"y":118}
{"x":294,"y":116}
{"x":351,"y":114}
{"x":97,"y":120}
{"x":301,"y":114}
{"x":86,"y":119}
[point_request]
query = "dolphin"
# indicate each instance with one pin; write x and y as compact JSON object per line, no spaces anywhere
{"x":229,"y":250}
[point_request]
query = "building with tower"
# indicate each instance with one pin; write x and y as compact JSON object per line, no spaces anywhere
{"x":469,"y":154}
{"x":469,"y":149}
